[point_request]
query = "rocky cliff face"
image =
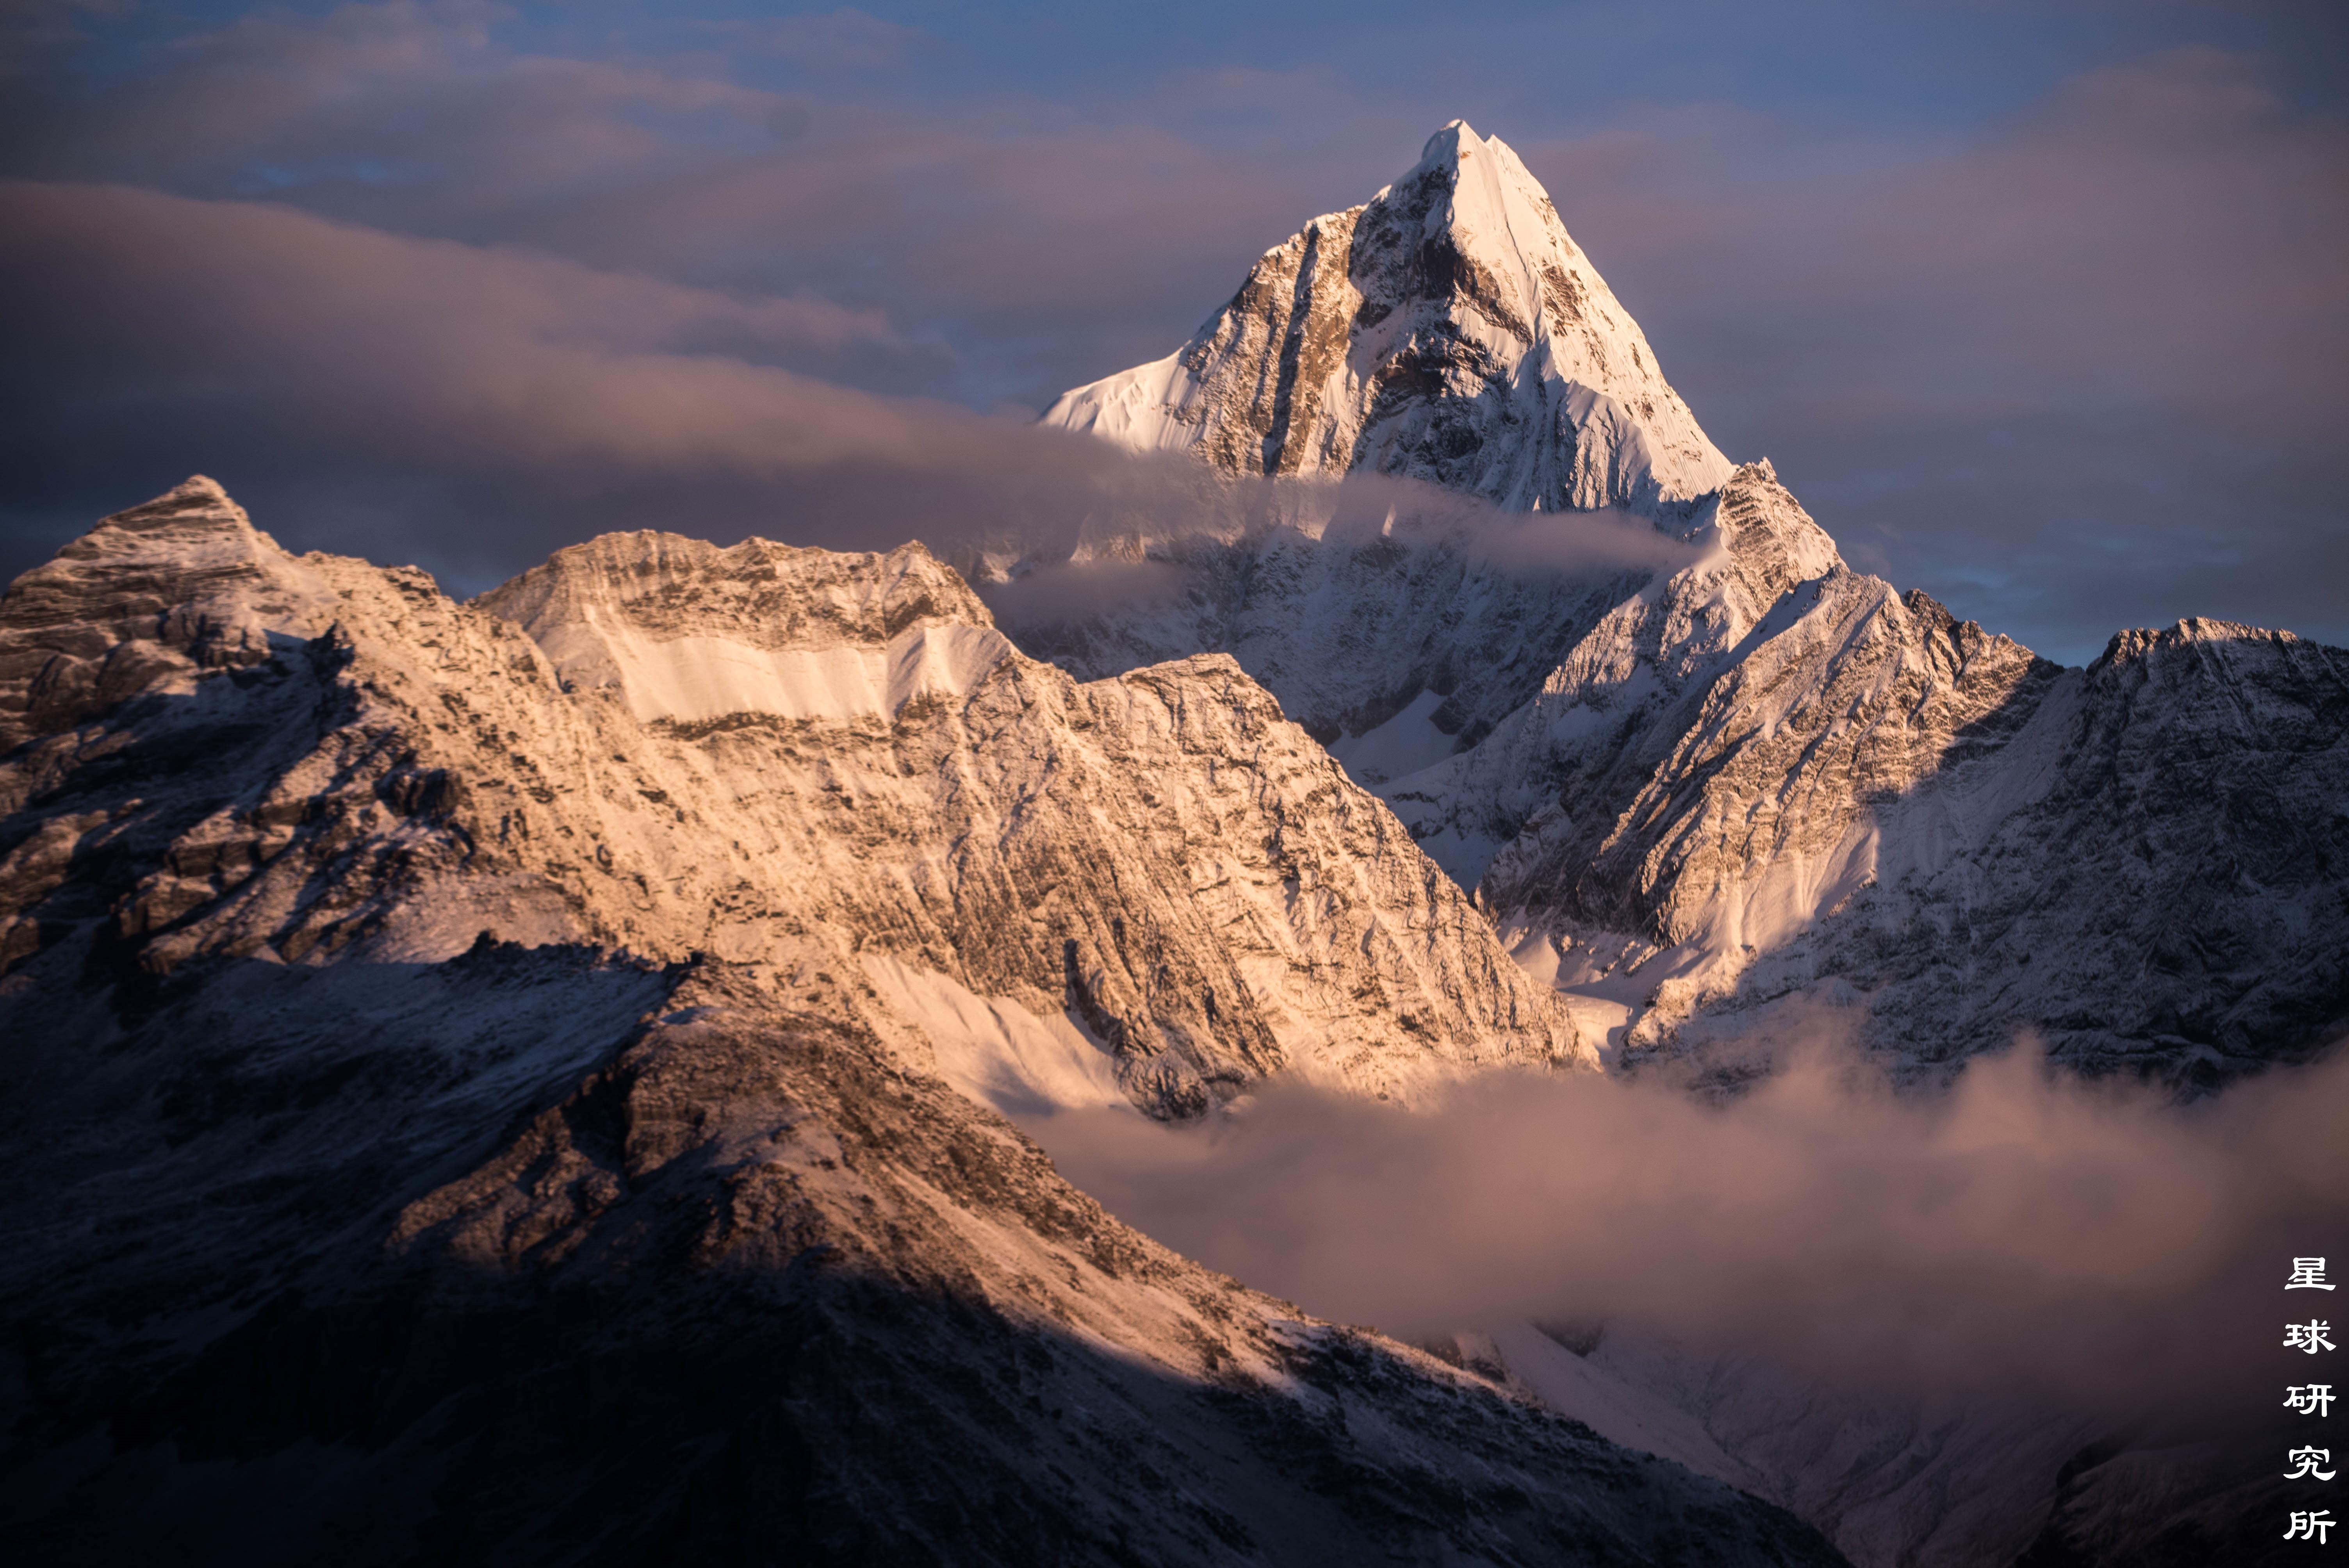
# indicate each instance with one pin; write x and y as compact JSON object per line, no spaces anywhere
{"x":821,"y":763}
{"x":1447,"y":330}
{"x":2142,"y":863}
{"x":1626,"y":694}
{"x":1836,"y":791}
{"x":397,"y":1170}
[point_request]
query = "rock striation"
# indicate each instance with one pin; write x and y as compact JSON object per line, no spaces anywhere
{"x":819,"y":762}
{"x":1447,"y":330}
{"x":511,"y":1081}
{"x":1744,"y":775}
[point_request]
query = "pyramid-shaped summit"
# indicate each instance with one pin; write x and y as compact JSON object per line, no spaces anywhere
{"x":1449,"y":330}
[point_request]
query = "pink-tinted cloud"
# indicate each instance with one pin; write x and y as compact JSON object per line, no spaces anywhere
{"x":523,"y":401}
{"x":1008,"y":217}
{"x":2030,"y":1236}
{"x":138,"y":274}
{"x":260,"y":341}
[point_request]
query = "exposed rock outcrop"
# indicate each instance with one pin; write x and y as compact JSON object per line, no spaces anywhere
{"x":1754,"y":774}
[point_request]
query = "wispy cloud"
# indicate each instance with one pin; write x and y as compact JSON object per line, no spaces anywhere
{"x":2028,"y":1237}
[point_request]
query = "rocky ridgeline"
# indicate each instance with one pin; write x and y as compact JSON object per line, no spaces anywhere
{"x":476,"y":1082}
{"x":1750,"y":778}
{"x":782,"y":757}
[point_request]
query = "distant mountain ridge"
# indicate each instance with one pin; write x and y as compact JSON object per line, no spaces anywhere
{"x":1756,"y":778}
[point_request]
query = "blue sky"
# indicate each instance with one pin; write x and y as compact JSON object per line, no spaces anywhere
{"x":2037,"y":307}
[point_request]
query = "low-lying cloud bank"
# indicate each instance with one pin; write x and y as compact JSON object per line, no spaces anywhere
{"x":1148,"y":556}
{"x":2027,"y":1234}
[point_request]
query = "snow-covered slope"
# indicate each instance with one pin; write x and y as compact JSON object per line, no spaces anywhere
{"x":1752,"y":775}
{"x":1160,"y":853}
{"x":2139,"y":862}
{"x":144,"y":603}
{"x":1895,"y":1483}
{"x":395,"y":1171}
{"x":1396,"y":646}
{"x":785,"y":756}
{"x":1447,"y":330}
{"x":1921,"y":1479}
{"x":1794,"y":781}
{"x":1765,"y":775}
{"x":1622,"y":695}
{"x":534,"y":1254}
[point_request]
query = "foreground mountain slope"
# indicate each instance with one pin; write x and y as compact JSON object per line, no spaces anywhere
{"x":822,"y":763}
{"x":342,"y":1229}
{"x":736,"y":1284}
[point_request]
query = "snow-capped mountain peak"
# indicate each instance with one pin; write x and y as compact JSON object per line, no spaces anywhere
{"x":148,"y":599}
{"x":1449,"y":329}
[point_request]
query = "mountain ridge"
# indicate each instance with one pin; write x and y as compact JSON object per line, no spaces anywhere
{"x":1758,"y":775}
{"x":443,"y":1128}
{"x":637,"y":774}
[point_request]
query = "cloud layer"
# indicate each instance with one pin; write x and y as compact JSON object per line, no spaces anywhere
{"x":2027,"y":1236}
{"x":517,"y":401}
